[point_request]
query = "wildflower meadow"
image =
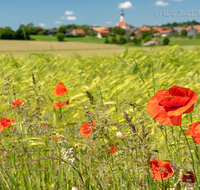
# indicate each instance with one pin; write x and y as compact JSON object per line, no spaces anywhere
{"x":129,"y":121}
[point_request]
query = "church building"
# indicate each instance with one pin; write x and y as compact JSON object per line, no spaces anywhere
{"x":122,"y":22}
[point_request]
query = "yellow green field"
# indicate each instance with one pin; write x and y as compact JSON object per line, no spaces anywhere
{"x":44,"y":148}
{"x":66,"y":49}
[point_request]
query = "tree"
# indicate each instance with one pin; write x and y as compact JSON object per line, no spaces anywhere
{"x":147,"y":38}
{"x":43,"y":32}
{"x":6,"y":33}
{"x":62,"y":29}
{"x":60,"y":36}
{"x":166,"y":41}
{"x":183,"y":33}
{"x":91,"y":33}
{"x":21,"y":33}
{"x":144,"y":34}
{"x":118,"y":30}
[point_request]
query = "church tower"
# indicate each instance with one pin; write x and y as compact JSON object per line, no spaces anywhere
{"x":122,"y":22}
{"x":122,"y":16}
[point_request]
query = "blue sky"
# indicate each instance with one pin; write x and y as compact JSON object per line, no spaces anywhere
{"x":53,"y":13}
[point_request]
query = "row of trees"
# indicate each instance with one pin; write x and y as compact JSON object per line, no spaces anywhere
{"x":22,"y":33}
{"x":181,"y":24}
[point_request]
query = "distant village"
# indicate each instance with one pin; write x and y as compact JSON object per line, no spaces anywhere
{"x":103,"y":31}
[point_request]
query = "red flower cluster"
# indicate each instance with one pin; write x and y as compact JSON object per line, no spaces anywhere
{"x":160,"y":168}
{"x":59,"y":91}
{"x":188,"y":178}
{"x":5,"y":122}
{"x":16,"y":103}
{"x":167,"y":107}
{"x":86,"y":128}
{"x":112,"y":149}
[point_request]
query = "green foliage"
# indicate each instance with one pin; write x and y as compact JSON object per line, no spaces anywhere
{"x":144,"y":34}
{"x":106,"y":41}
{"x":166,"y":41}
{"x":43,"y":32}
{"x":183,"y":33}
{"x":21,"y":33}
{"x":198,"y":35}
{"x":120,"y":39}
{"x":118,"y":30}
{"x":60,"y":36}
{"x":153,"y":31}
{"x":91,"y":33}
{"x":62,"y":29}
{"x":147,"y":38}
{"x":6,"y":33}
{"x":176,"y":34}
{"x":190,"y":36}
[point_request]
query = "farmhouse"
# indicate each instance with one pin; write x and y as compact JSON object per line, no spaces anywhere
{"x":102,"y":33}
{"x":77,"y":32}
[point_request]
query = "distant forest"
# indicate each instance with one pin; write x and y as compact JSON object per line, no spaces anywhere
{"x":181,"y":24}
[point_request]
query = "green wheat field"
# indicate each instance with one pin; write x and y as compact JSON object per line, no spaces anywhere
{"x":111,"y":90}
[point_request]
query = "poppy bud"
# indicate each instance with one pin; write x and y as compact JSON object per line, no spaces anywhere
{"x":37,"y":107}
{"x":119,"y":135}
{"x":188,"y":178}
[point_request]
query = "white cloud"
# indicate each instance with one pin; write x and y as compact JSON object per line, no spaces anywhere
{"x":95,"y":24}
{"x":69,"y":12}
{"x":57,"y":22}
{"x":125,"y":5}
{"x":108,"y":22}
{"x":62,"y":18}
{"x":161,"y":3}
{"x":71,"y":18}
{"x":42,"y":25}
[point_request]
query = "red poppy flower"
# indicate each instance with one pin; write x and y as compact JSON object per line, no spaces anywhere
{"x":54,"y":138}
{"x":194,"y":131}
{"x":86,"y":128}
{"x":5,"y":122}
{"x":2,"y":150}
{"x":59,"y":89}
{"x":60,"y":104}
{"x":188,"y":178}
{"x":167,"y":107}
{"x":16,"y":103}
{"x":112,"y":149}
{"x":161,"y":167}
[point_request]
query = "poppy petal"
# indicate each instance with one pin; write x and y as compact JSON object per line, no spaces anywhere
{"x":185,"y":108}
{"x":60,"y":89}
{"x":158,"y":112}
{"x":186,"y":133}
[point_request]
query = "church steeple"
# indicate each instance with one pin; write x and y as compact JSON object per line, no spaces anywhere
{"x":122,"y":16}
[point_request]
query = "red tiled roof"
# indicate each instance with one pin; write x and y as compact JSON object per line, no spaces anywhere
{"x":123,"y":23}
{"x":79,"y":31}
{"x":137,"y":32}
{"x":144,"y":28}
{"x":165,"y":31}
{"x":197,"y":27}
